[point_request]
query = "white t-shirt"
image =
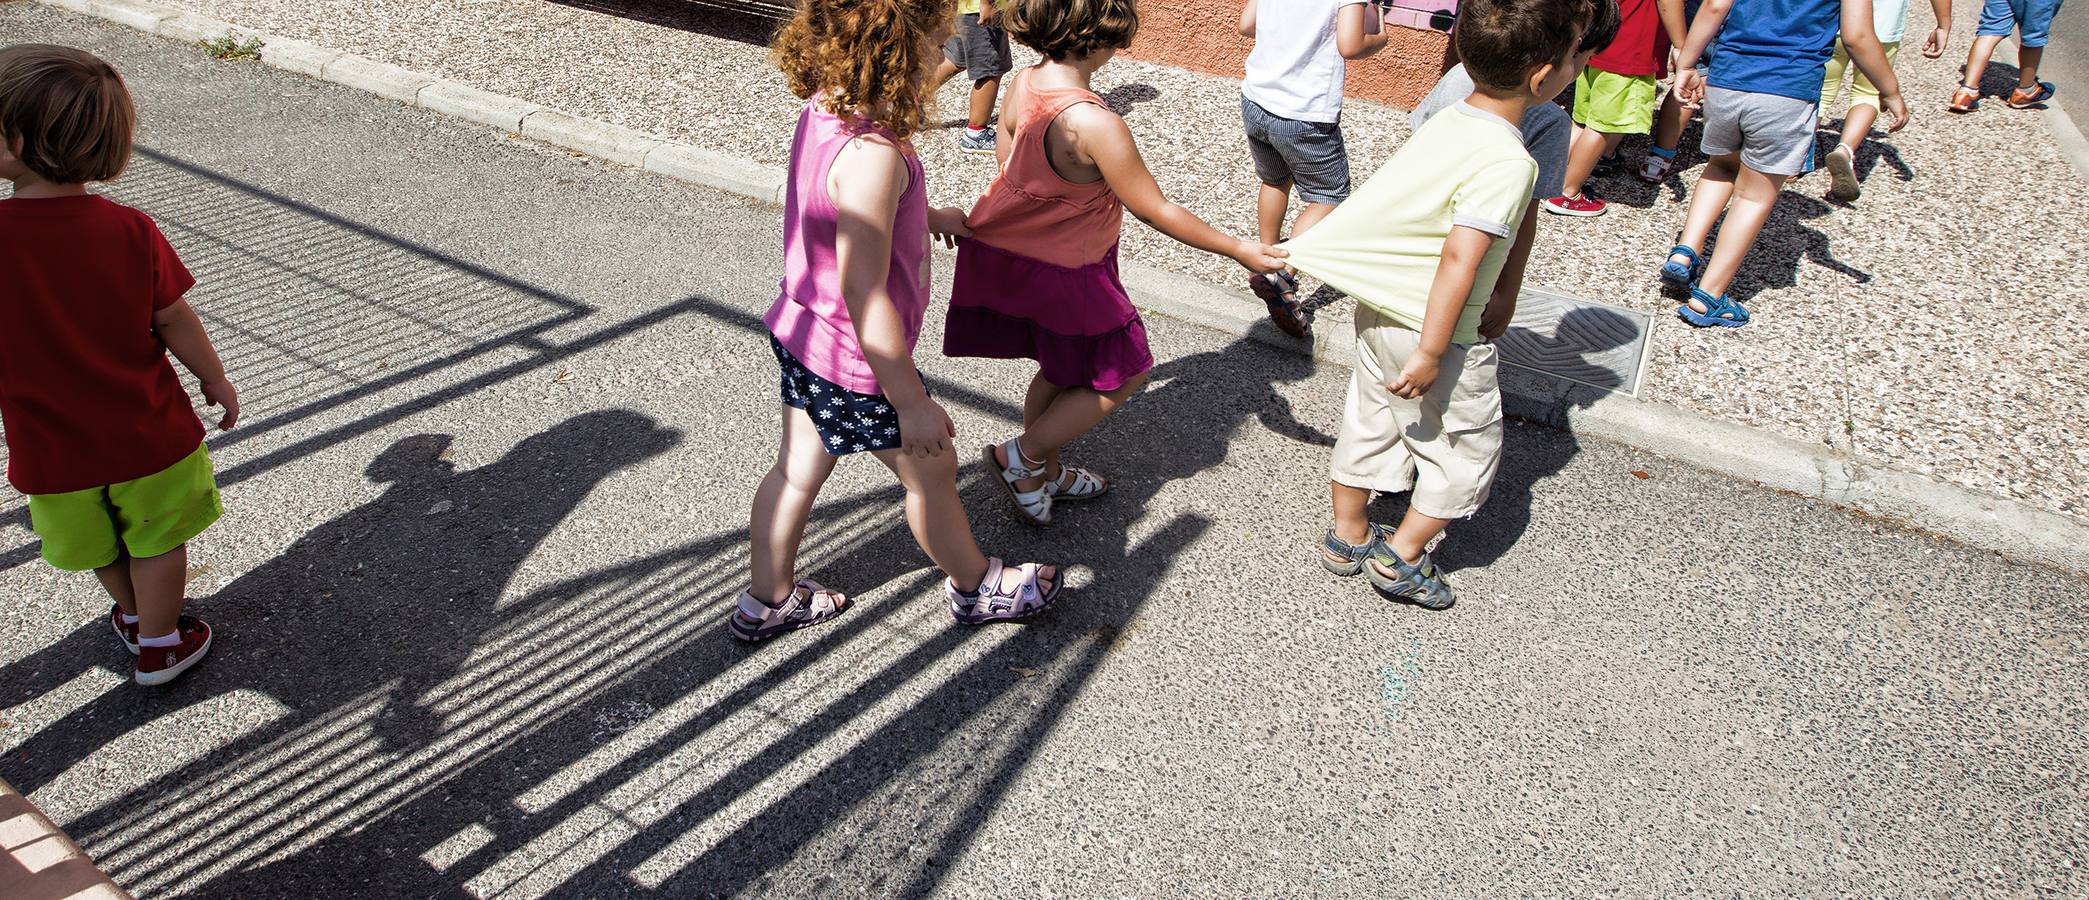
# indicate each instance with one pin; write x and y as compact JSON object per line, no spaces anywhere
{"x":1295,"y":70}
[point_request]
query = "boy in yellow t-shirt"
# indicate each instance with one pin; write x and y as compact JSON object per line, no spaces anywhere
{"x":979,"y":48}
{"x":1419,"y":247}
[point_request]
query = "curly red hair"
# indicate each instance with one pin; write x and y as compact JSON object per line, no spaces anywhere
{"x":867,"y":58}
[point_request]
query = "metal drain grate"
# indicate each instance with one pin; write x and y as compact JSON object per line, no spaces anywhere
{"x":1582,"y":341}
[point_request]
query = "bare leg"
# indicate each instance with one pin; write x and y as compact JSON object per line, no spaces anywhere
{"x":984,"y":91}
{"x":1668,"y":132}
{"x":1351,"y":524}
{"x":937,"y":518}
{"x":1856,"y":124}
{"x":116,"y":579}
{"x":161,"y":585}
{"x":1588,"y":147}
{"x":1754,"y":195}
{"x":1976,"y":59}
{"x":1066,"y":416}
{"x":1271,"y":202}
{"x":1309,"y":217}
{"x":1035,"y":401}
{"x":1714,"y":188}
{"x":2027,"y":60}
{"x":782,"y":504}
{"x":1413,"y":537}
{"x":945,"y":70}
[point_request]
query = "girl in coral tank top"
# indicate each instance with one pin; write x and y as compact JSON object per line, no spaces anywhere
{"x":1037,"y":279}
{"x":856,"y":229}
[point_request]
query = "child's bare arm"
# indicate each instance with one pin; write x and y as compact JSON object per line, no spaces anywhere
{"x":867,"y":180}
{"x":182,"y":332}
{"x":1358,"y":31}
{"x":1940,"y":38}
{"x":1673,"y":22}
{"x":1455,"y":273}
{"x":1862,"y":41}
{"x":1710,"y":18}
{"x":1247,"y":19}
{"x":1501,"y":305}
{"x":1104,"y":139}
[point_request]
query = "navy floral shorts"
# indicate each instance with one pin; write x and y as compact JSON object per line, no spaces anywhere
{"x":848,"y":422}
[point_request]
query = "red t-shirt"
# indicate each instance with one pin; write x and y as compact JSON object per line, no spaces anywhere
{"x":87,"y":396}
{"x":1641,"y":47}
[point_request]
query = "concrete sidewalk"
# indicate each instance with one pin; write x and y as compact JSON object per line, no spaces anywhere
{"x":507,"y":407}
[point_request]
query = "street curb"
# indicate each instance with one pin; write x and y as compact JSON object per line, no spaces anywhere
{"x":2009,"y":527}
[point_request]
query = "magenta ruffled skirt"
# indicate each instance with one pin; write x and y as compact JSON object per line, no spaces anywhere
{"x":1078,"y":324}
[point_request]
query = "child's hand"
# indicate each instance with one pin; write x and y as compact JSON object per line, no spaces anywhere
{"x":925,"y":429}
{"x":948,"y":224}
{"x":222,"y":393}
{"x":1494,"y":320}
{"x":1690,"y":87}
{"x":1260,"y":259}
{"x":1416,"y":377}
{"x":1896,"y":111}
{"x":1938,"y":40}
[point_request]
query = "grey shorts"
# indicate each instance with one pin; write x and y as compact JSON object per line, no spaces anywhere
{"x":1288,"y":151}
{"x":980,"y":50}
{"x":1773,"y":134}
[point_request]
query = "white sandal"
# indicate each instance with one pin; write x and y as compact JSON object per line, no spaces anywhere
{"x":993,"y":604}
{"x":1034,"y":506}
{"x":809,"y":604}
{"x":1084,"y":485}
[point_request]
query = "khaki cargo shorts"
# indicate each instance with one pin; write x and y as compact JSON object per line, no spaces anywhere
{"x":1445,"y":446}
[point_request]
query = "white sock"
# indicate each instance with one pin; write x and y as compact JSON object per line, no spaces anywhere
{"x":127,"y":618}
{"x":170,"y":639}
{"x":975,"y":132}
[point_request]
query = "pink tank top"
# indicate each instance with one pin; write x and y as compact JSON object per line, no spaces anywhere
{"x":809,"y":318}
{"x":1030,"y":210}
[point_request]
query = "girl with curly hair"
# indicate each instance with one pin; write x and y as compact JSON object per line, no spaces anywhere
{"x":856,"y":282}
{"x":1038,"y":277}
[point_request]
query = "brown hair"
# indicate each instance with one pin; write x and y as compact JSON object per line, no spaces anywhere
{"x":866,"y":58}
{"x":69,"y":109}
{"x":1071,"y":29}
{"x":1503,"y":41}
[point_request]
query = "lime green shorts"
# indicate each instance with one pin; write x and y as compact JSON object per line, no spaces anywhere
{"x":149,"y":516}
{"x":1613,"y":103}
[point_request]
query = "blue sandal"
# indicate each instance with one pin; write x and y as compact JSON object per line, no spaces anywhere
{"x":1419,"y":582}
{"x":1676,"y":274}
{"x":1720,"y":312}
{"x":1354,"y":553}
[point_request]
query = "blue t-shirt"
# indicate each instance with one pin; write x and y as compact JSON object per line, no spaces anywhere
{"x":1776,"y":47}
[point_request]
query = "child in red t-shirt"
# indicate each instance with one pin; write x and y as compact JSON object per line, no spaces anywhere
{"x":100,"y":434}
{"x":1615,"y":96}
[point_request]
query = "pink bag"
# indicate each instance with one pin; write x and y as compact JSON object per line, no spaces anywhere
{"x":1434,"y":15}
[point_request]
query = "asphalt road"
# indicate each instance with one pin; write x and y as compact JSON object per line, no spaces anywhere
{"x":506,"y":411}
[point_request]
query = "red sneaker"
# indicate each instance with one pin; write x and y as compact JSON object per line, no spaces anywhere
{"x":159,"y":665}
{"x":1964,"y":100}
{"x":128,"y":634}
{"x":1582,"y":205}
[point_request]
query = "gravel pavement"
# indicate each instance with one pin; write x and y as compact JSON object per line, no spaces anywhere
{"x":506,"y":411}
{"x":1915,"y":328}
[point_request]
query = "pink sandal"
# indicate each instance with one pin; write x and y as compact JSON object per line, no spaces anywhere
{"x":809,"y":604}
{"x":994,"y":604}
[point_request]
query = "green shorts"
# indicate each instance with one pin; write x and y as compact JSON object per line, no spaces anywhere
{"x":1613,"y":103}
{"x":150,"y":516}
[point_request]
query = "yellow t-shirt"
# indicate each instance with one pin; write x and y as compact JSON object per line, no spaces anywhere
{"x":1383,"y":244}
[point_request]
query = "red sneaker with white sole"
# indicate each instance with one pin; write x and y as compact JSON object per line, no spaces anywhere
{"x":159,"y":665}
{"x":1583,"y":206}
{"x":128,"y":634}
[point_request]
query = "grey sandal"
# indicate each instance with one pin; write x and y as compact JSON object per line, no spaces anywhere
{"x":1355,"y":553}
{"x":1419,"y":582}
{"x":809,"y":604}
